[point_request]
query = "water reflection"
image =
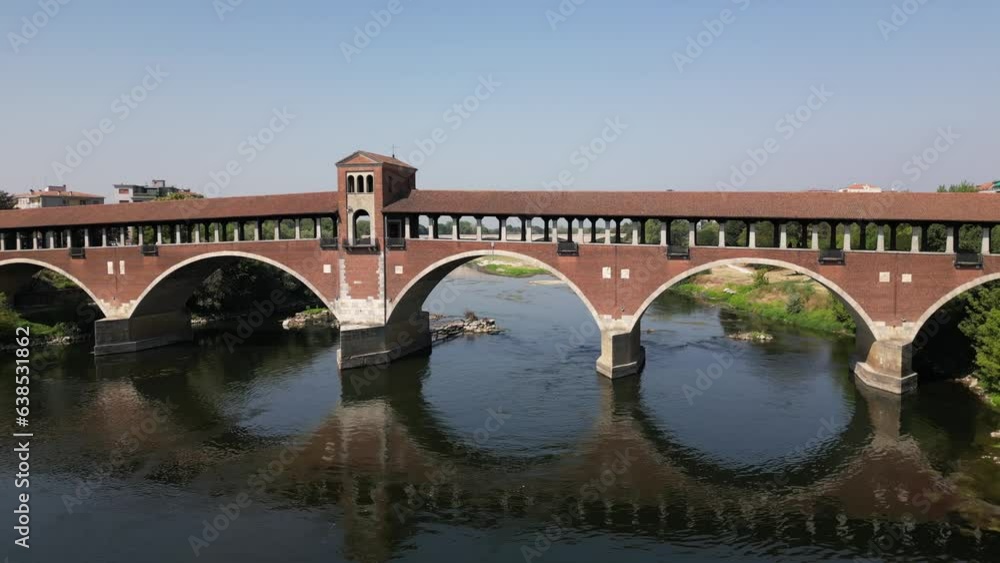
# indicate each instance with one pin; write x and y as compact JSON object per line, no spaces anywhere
{"x":492,"y":448}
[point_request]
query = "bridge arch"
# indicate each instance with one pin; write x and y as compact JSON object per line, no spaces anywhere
{"x":169,"y":292}
{"x":46,"y":266}
{"x":950,"y":296}
{"x":859,"y":312}
{"x":413,"y":295}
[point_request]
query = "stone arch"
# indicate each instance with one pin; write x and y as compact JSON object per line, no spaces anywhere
{"x":44,"y":265}
{"x":951,"y":295}
{"x":412,"y":297}
{"x":852,"y":304}
{"x":168,"y":292}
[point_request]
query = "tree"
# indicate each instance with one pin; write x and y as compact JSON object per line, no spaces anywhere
{"x":174,"y":196}
{"x":7,"y":201}
{"x":988,"y":351}
{"x":964,"y":187}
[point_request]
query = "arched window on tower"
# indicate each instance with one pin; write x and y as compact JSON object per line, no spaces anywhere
{"x":350,"y":184}
{"x":362,"y":228}
{"x":371,"y":184}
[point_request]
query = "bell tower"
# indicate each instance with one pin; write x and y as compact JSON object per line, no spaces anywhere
{"x":367,"y":182}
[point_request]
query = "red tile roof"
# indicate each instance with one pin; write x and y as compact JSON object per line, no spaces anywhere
{"x":379,"y":158}
{"x":287,"y":205}
{"x":888,"y":206}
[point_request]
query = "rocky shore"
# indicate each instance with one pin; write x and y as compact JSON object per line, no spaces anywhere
{"x":447,"y":328}
{"x":311,"y":319}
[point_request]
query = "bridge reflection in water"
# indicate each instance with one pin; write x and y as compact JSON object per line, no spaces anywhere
{"x":385,"y":465}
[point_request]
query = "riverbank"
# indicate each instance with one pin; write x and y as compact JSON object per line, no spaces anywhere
{"x":507,"y":267}
{"x":775,"y":295}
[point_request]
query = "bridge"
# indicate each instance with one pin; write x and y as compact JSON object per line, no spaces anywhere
{"x":374,"y":249}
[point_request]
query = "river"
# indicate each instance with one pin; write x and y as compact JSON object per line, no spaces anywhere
{"x":502,"y":448}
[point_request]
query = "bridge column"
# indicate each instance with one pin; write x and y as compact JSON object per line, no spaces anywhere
{"x":122,"y":336}
{"x":86,"y":239}
{"x":298,"y":229}
{"x":916,"y":238}
{"x":664,"y":233}
{"x":454,"y":226}
{"x":277,"y":229}
{"x":692,"y":233}
{"x":886,"y":363}
{"x":607,"y":231}
{"x":479,"y":228}
{"x":177,"y":234}
{"x":880,"y":245}
{"x":815,"y":237}
{"x":52,"y":240}
{"x":318,"y":228}
{"x":581,"y":231}
{"x":752,"y":235}
{"x":636,"y":231}
{"x":376,"y":346}
{"x":986,"y":241}
{"x":722,"y":234}
{"x":622,"y":353}
{"x":847,"y":237}
{"x":949,"y":245}
{"x":783,"y":236}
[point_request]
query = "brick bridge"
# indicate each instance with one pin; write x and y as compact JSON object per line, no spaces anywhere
{"x":375,"y":249}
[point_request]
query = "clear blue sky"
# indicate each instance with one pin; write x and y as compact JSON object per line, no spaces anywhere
{"x":609,"y":59}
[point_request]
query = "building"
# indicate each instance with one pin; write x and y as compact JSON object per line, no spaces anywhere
{"x":134,"y":193}
{"x":55,"y":196}
{"x":861,"y":189}
{"x":990,"y":188}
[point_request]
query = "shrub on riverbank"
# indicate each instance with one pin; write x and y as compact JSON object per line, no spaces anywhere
{"x":982,"y":326}
{"x":10,"y":320}
{"x":795,"y":302}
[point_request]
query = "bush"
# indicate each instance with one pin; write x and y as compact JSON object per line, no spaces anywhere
{"x":796,"y":305}
{"x":759,"y":279}
{"x":988,"y":351}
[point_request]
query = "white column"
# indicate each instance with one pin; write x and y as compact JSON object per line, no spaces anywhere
{"x":454,"y":227}
{"x":17,"y":237}
{"x":918,"y":233}
{"x":52,"y":239}
{"x":298,"y":229}
{"x":880,"y":246}
{"x":104,"y":237}
{"x":847,"y":238}
{"x":216,"y":234}
{"x":121,"y":236}
{"x":986,"y":241}
{"x":318,"y":230}
{"x":636,"y":225}
{"x":503,"y":229}
{"x":159,"y":234}
{"x":142,"y":235}
{"x":722,"y":235}
{"x":177,"y":234}
{"x":479,"y":228}
{"x":256,"y":229}
{"x":34,"y":240}
{"x":692,"y":234}
{"x":277,"y":229}
{"x":86,"y":239}
{"x":752,"y":235}
{"x":607,"y":231}
{"x":815,"y":237}
{"x":783,"y":234}
{"x":3,"y":242}
{"x":664,"y":233}
{"x":197,"y":234}
{"x":949,"y":245}
{"x":581,"y":233}
{"x":407,"y":230}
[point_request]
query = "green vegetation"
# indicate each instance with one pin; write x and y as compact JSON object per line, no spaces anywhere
{"x":235,"y":288}
{"x":10,"y":320}
{"x":796,"y":302}
{"x":982,"y":326}
{"x":512,"y":270}
{"x":7,"y":201}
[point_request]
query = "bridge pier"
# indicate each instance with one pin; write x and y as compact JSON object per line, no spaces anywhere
{"x":622,"y":353}
{"x":362,"y":346}
{"x":134,"y":334}
{"x":885,"y":364}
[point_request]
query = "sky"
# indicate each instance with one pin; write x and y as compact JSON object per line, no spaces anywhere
{"x":513,"y":94}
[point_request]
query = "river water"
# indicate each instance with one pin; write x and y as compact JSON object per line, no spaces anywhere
{"x":502,"y":448}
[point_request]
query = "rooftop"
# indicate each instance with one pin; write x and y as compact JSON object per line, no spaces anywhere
{"x":888,"y":206}
{"x":287,"y":205}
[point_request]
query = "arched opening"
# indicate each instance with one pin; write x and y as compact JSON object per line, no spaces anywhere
{"x":362,"y":228}
{"x":370,"y":181}
{"x":350,"y":184}
{"x":958,"y":335}
{"x":51,"y":301}
{"x":852,"y":307}
{"x":222,"y":286}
